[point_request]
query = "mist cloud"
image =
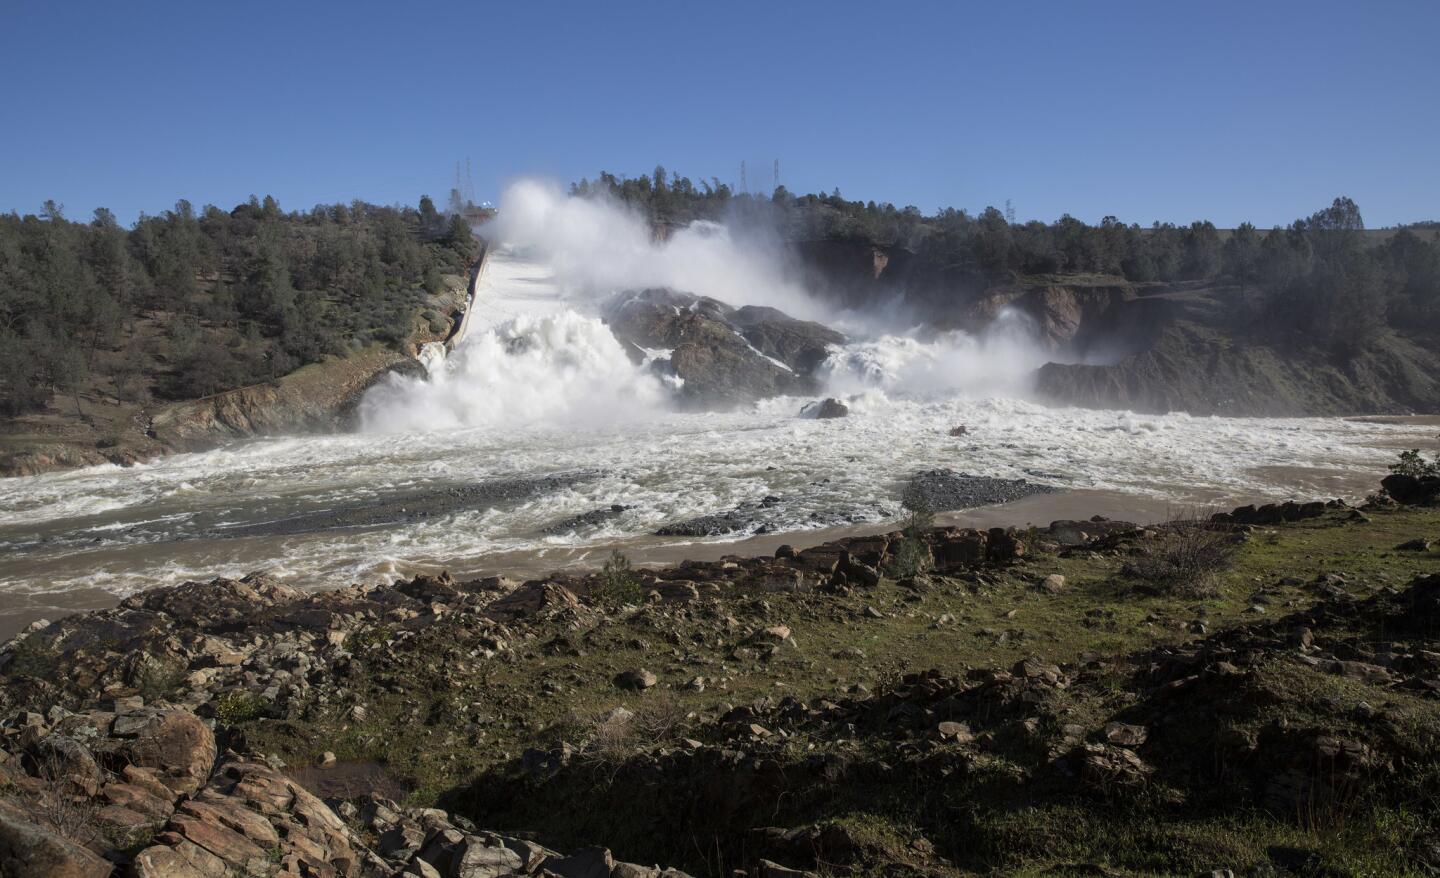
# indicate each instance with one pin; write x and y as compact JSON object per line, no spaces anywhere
{"x":597,"y":247}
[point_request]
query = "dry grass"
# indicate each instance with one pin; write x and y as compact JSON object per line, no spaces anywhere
{"x":1188,"y":555}
{"x":607,"y":740}
{"x":55,"y":801}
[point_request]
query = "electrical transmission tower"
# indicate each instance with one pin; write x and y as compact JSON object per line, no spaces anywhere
{"x":457,"y":192}
{"x":462,"y":194}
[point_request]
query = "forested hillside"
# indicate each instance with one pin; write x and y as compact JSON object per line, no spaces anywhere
{"x":190,"y":303}
{"x":1321,"y":281}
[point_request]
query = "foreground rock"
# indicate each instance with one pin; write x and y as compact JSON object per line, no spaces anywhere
{"x":27,"y":848}
{"x":730,"y":701}
{"x":160,"y":783}
{"x":1413,"y":490}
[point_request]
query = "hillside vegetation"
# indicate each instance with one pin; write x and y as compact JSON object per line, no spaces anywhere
{"x":188,"y":304}
{"x":1320,"y":283}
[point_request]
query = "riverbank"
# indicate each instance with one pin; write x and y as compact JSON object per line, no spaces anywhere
{"x":825,"y":708}
{"x":20,"y":609}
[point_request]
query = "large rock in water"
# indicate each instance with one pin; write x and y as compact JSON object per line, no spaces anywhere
{"x":723,"y":355}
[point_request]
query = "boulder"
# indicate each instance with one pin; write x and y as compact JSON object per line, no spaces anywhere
{"x":637,"y":680}
{"x":586,"y":863}
{"x":1003,"y":547}
{"x":175,"y":744}
{"x":722,"y":356}
{"x":826,"y":409}
{"x":1412,"y":490}
{"x":26,"y":848}
{"x":1271,"y":513}
{"x":532,"y":598}
{"x":960,"y":550}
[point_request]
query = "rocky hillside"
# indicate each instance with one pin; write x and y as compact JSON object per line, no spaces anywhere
{"x":721,"y":355}
{"x":1256,"y":695}
{"x":1191,"y":350}
{"x":1207,"y":346}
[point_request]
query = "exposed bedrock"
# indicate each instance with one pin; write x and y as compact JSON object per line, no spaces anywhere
{"x":723,"y":355}
{"x":1194,"y":368}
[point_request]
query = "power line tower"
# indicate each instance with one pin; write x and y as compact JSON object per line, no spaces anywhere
{"x":1009,"y":212}
{"x":457,"y":192}
{"x":469,"y":185}
{"x":777,"y":175}
{"x":744,"y":187}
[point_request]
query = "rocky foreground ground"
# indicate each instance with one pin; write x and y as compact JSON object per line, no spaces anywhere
{"x":1259,"y":695}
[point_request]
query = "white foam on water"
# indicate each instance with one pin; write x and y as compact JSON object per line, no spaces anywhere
{"x":999,"y":362}
{"x":540,"y":386}
{"x":670,"y":467}
{"x":526,"y":370}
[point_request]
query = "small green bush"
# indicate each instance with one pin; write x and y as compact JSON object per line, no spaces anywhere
{"x":1413,"y":463}
{"x":912,"y":556}
{"x":618,"y":584}
{"x":235,"y":707}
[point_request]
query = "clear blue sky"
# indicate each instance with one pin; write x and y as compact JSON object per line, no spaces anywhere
{"x":1145,"y":110}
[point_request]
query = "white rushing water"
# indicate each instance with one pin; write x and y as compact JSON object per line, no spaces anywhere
{"x":541,"y":388}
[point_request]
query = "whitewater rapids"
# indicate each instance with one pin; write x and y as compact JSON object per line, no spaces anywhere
{"x":541,"y":388}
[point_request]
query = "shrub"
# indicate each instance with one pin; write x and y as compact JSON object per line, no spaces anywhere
{"x":53,"y":801}
{"x":236,"y":706}
{"x":1413,"y":463}
{"x":1188,"y":555}
{"x":912,"y":555}
{"x":607,"y":740}
{"x":618,"y":584}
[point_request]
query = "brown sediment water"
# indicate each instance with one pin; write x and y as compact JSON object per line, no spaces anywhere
{"x":327,"y":511}
{"x":18,"y":611}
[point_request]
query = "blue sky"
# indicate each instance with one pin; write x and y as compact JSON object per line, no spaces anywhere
{"x":1229,"y":111}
